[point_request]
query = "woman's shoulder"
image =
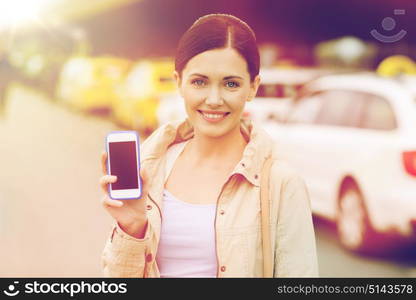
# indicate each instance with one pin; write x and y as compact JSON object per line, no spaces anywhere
{"x":283,"y":170}
{"x":286,"y":184}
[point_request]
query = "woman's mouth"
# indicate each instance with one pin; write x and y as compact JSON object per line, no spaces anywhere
{"x":212,"y":116}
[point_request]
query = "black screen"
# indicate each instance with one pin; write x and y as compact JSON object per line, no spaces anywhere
{"x":123,"y":164}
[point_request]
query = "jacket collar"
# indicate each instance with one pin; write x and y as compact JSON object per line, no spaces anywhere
{"x":258,"y":148}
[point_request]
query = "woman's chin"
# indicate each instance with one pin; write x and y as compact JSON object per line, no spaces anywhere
{"x":214,"y":131}
{"x":211,"y":132}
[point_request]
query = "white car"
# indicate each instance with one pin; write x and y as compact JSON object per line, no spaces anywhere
{"x":409,"y":81}
{"x":353,"y":139}
{"x":277,"y":88}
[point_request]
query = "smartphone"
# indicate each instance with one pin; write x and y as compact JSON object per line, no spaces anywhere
{"x":123,"y":161}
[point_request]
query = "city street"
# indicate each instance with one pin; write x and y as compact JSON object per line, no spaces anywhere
{"x":52,"y":223}
{"x":51,"y":219}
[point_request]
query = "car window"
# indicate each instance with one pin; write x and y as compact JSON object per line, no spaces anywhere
{"x":306,"y":109}
{"x":139,"y":80}
{"x":80,"y":71}
{"x":378,"y":114}
{"x":271,"y":90}
{"x":340,"y":108}
{"x":291,"y":90}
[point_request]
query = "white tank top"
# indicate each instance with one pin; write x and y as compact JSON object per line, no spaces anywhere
{"x":187,"y":239}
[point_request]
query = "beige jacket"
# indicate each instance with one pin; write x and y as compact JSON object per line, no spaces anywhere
{"x":237,"y":222}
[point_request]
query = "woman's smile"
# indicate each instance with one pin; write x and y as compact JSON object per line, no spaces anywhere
{"x":213,"y":116}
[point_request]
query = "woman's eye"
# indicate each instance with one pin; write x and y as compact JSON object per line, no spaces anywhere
{"x":198,"y":82}
{"x":232,"y":84}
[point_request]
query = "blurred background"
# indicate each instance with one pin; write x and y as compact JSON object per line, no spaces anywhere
{"x":338,"y":95}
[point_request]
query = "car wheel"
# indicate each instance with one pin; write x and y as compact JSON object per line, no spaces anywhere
{"x":353,"y":225}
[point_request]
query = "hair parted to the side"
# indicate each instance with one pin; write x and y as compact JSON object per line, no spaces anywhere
{"x":216,"y":31}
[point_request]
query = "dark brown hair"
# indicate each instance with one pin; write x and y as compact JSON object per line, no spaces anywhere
{"x":218,"y":31}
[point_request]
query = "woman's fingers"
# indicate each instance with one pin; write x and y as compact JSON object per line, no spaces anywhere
{"x":108,"y":202}
{"x":105,"y":180}
{"x":104,"y":161}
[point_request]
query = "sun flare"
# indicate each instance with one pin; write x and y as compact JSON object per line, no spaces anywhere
{"x":17,"y":12}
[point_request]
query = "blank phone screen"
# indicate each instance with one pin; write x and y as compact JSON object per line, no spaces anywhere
{"x":123,"y":164}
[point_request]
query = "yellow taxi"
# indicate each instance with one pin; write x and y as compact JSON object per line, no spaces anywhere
{"x":89,"y":84}
{"x":396,"y":65}
{"x":140,"y":94}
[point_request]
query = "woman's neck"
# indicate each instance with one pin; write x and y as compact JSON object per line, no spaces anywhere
{"x":205,"y":150}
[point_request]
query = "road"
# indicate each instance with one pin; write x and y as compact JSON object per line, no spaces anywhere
{"x":334,"y":261}
{"x":51,"y":220}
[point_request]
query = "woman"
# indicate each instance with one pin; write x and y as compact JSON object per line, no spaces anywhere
{"x":199,"y":215}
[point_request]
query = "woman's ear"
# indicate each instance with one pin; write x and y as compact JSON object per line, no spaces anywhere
{"x":178,"y":81}
{"x":254,"y":87}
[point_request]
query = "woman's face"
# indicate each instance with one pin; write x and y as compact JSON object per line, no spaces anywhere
{"x":215,"y":85}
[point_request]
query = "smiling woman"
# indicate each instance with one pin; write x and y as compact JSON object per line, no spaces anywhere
{"x":205,"y":176}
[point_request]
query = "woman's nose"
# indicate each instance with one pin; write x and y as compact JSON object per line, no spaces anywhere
{"x":214,"y":97}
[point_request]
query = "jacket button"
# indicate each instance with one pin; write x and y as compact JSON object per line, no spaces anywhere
{"x":149,"y":257}
{"x":149,"y":207}
{"x":223,"y":268}
{"x":222,"y":212}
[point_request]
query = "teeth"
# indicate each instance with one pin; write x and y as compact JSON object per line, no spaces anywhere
{"x":213,"y":116}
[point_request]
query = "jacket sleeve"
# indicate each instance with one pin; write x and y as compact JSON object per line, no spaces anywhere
{"x":295,"y":246}
{"x":126,"y":256}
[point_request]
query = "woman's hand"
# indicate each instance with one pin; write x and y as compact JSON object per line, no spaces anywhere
{"x":130,"y":214}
